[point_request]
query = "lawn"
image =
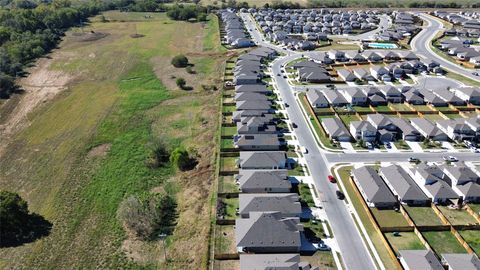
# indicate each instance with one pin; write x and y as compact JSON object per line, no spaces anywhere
{"x":421,"y":108}
{"x":362,"y":109}
{"x":472,"y":238}
{"x":225,"y":239}
{"x":433,"y":117}
{"x":322,"y":259}
{"x":389,"y":218}
{"x":443,"y":242}
{"x":400,"y":107}
{"x":402,"y":145}
{"x":346,"y":119}
{"x":457,"y":217}
{"x":475,"y":206}
{"x":376,"y":238}
{"x":406,"y":240}
{"x":423,"y":216}
{"x":226,"y":144}
{"x":229,"y":108}
{"x":452,"y":115}
{"x":227,"y":184}
{"x":87,"y":148}
{"x":305,"y":195}
{"x":383,"y":108}
{"x":228,"y":164}
{"x":229,"y":131}
{"x":231,"y":206}
{"x":314,"y":227}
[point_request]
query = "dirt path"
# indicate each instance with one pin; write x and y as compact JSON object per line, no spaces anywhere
{"x":42,"y":85}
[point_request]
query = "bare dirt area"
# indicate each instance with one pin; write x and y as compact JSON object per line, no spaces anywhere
{"x":39,"y":87}
{"x":99,"y":151}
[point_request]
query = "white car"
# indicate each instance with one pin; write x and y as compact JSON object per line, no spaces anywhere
{"x":450,"y":158}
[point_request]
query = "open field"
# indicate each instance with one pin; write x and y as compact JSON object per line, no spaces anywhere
{"x":472,"y":238}
{"x":443,"y":242}
{"x":406,"y":240}
{"x":423,"y":216}
{"x":83,"y":152}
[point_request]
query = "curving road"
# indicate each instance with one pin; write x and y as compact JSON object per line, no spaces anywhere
{"x":421,"y":46}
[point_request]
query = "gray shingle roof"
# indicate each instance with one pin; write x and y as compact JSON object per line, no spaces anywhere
{"x":372,"y":185}
{"x":460,"y":261}
{"x":402,"y":183}
{"x":266,"y":180}
{"x":262,"y":159}
{"x":286,"y":203}
{"x":421,"y":259}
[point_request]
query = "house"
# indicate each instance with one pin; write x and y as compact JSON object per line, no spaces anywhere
{"x":392,"y":94}
{"x":448,"y":96}
{"x":255,"y":142}
{"x":464,"y":181}
{"x":335,"y":98}
{"x":287,"y":204}
{"x":263,"y":181}
{"x":317,"y":99}
{"x":313,"y":75}
{"x":428,"y":130}
{"x":413,"y":97}
{"x":273,"y":261}
{"x":363,"y":130}
{"x":258,"y":104}
{"x":474,"y":123}
{"x":242,"y":96}
{"x":338,"y":56}
{"x":355,"y":96}
{"x":372,"y":56}
{"x":268,"y":232}
{"x":461,"y":261}
{"x":377,"y":100}
{"x":430,"y":98}
{"x":434,"y":183}
{"x":403,"y":186}
{"x":406,"y":130}
{"x":253,"y":88}
{"x":346,"y":75}
{"x":378,"y":71}
{"x":267,"y":160}
{"x":456,"y":129}
{"x":255,"y":125}
{"x":335,"y":129}
{"x":373,"y":189}
{"x":363,"y":75}
{"x":419,"y":259}
{"x":354,"y":56}
{"x":238,"y":115}
{"x":468,"y":94}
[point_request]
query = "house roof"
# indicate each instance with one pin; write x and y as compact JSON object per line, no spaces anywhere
{"x":427,"y":127}
{"x":402,"y":183}
{"x":267,"y":229}
{"x":315,"y":96}
{"x":285,"y":203}
{"x":334,"y":97}
{"x":253,"y":104}
{"x":421,"y":259}
{"x":257,"y":140}
{"x":261,"y":159}
{"x":334,"y":127}
{"x":259,"y":88}
{"x":406,"y":128}
{"x":372,"y":185}
{"x":263,"y":179}
{"x":461,"y":261}
{"x":379,"y":120}
{"x":363,"y":126}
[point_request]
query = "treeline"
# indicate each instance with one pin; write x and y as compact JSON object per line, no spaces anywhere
{"x":393,"y":3}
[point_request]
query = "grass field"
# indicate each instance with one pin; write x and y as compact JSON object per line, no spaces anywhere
{"x":423,"y":216}
{"x":389,"y":218}
{"x":457,"y":217}
{"x":443,"y":242}
{"x":322,"y":259}
{"x":472,"y":238}
{"x":86,"y":151}
{"x":406,"y":240}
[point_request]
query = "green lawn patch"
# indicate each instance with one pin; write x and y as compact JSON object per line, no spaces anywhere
{"x":423,"y":216}
{"x":433,"y":117}
{"x":231,"y":206}
{"x":322,"y":259}
{"x":315,"y":228}
{"x":443,"y":242}
{"x":228,"y":164}
{"x":297,"y":170}
{"x":226,"y":143}
{"x":346,"y":119}
{"x":229,"y":131}
{"x":227,"y":184}
{"x":457,"y":217}
{"x":382,"y":108}
{"x":406,"y":240}
{"x":452,"y":115}
{"x":475,"y":206}
{"x":229,"y":108}
{"x":421,"y":108}
{"x":402,"y":145}
{"x":362,"y":109}
{"x":472,"y":238}
{"x":401,"y":107}
{"x":389,"y":218}
{"x":305,"y":195}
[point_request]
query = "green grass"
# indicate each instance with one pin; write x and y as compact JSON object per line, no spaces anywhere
{"x":423,"y":216}
{"x":362,"y":109}
{"x":402,"y":145}
{"x":463,"y":79}
{"x":406,"y":240}
{"x":231,"y":206}
{"x":376,"y":238}
{"x":433,"y":117}
{"x":322,"y":259}
{"x":389,"y":218}
{"x":443,"y":242}
{"x":229,"y":131}
{"x":472,"y":238}
{"x":229,"y":108}
{"x":227,"y":184}
{"x":228,"y":164}
{"x":224,"y":239}
{"x":346,"y":119}
{"x":475,"y":206}
{"x":296,"y":171}
{"x":422,"y":108}
{"x":226,"y":143}
{"x":452,"y":115}
{"x":382,"y":108}
{"x":400,"y":107}
{"x":305,"y":195}
{"x":316,"y":227}
{"x":457,"y":217}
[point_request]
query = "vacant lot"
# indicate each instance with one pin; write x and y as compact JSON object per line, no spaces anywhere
{"x":443,"y":242}
{"x":406,"y":240}
{"x":457,"y":217}
{"x":423,"y":216}
{"x":85,"y":150}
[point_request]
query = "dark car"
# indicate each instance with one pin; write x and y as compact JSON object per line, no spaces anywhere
{"x":340,"y":195}
{"x":286,"y":105}
{"x":294,"y":125}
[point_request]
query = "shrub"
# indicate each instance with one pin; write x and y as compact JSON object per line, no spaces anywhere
{"x":180,"y":61}
{"x":159,"y":154}
{"x":148,"y":215}
{"x":181,"y":83}
{"x":182,"y":160}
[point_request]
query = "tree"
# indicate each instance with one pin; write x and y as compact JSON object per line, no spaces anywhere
{"x":182,"y":160}
{"x":181,"y":83}
{"x":180,"y":61}
{"x":17,"y":224}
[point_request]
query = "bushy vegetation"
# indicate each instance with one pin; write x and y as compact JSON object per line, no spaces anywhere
{"x":148,"y":215}
{"x":182,"y":159}
{"x":180,"y":61}
{"x":18,"y":225}
{"x":187,"y":12}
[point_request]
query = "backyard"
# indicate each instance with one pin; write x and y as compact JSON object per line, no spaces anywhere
{"x":405,"y":240}
{"x":443,"y":242}
{"x":472,"y":238}
{"x":389,"y":218}
{"x":457,"y":217}
{"x":423,"y":216}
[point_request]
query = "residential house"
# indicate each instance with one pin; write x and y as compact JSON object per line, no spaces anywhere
{"x":346,"y":75}
{"x":287,"y":204}
{"x":456,"y":129}
{"x":355,"y":96}
{"x":255,"y":125}
{"x":461,"y":261}
{"x":406,"y":130}
{"x":403,"y":186}
{"x":428,"y":129}
{"x":256,"y":142}
{"x":434,"y":183}
{"x":413,"y":97}
{"x":419,"y":259}
{"x":268,"y":232}
{"x":273,"y":261}
{"x":253,"y":88}
{"x":266,"y":160}
{"x":468,"y":94}
{"x":363,"y":130}
{"x":264,"y":105}
{"x":392,"y":94}
{"x":335,"y":98}
{"x":335,"y":129}
{"x":464,"y":181}
{"x":317,"y":99}
{"x":264,"y":181}
{"x":448,"y":96}
{"x":378,"y":72}
{"x":363,"y":75}
{"x":374,"y":191}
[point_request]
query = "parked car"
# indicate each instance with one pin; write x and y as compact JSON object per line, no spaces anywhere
{"x":388,"y":145}
{"x":450,"y":158}
{"x":323,"y":247}
{"x":340,"y":195}
{"x":369,"y":145}
{"x":284,"y":76}
{"x":286,"y":105}
{"x":304,"y":150}
{"x":413,"y":159}
{"x":278,"y":74}
{"x":331,"y":179}
{"x":475,"y":73}
{"x":294,"y":125}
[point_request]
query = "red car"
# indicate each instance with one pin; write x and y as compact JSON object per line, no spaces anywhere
{"x":331,"y":179}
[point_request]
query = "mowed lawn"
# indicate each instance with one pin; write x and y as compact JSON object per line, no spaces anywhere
{"x":472,"y":238}
{"x":443,"y":242}
{"x":406,"y":240}
{"x":457,"y":217}
{"x":85,"y":151}
{"x":423,"y":216}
